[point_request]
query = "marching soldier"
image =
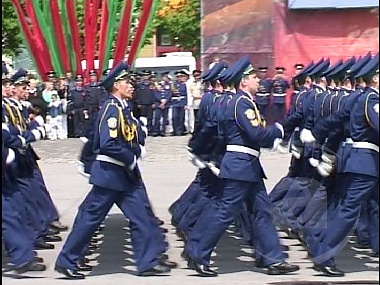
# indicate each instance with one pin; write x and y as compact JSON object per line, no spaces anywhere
{"x":117,"y":156}
{"x":242,"y":177}
{"x":17,"y":234}
{"x":358,"y":180}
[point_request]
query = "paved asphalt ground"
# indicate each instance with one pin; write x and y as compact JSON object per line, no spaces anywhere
{"x":167,"y":173}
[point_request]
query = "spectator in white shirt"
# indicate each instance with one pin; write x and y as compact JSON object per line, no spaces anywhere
{"x":195,"y":94}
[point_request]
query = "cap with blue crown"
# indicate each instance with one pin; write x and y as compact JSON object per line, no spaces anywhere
{"x":19,"y":78}
{"x":340,"y":71}
{"x":320,"y":69}
{"x":119,"y":72}
{"x":214,"y":73}
{"x":359,"y":64}
{"x":370,"y":69}
{"x":331,"y":69}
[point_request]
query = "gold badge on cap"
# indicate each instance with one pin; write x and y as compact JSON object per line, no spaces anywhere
{"x":250,"y":114}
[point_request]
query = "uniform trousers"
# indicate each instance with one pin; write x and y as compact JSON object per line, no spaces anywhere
{"x":79,"y":122}
{"x":15,"y":236}
{"x":279,"y":112}
{"x":359,"y":188}
{"x":208,"y":191}
{"x":178,"y":117}
{"x":218,"y":216}
{"x":180,"y":206}
{"x":160,"y":120}
{"x":94,"y":210}
{"x":35,"y":205}
{"x":50,"y":209}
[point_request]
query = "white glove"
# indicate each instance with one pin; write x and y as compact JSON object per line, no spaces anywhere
{"x":306,"y":136}
{"x":195,"y":161}
{"x":145,"y":130}
{"x":81,"y":170}
{"x":84,"y":140}
{"x":281,"y":149}
{"x":133,"y":165}
{"x":43,"y":131}
{"x":190,"y":156}
{"x":295,"y":151}
{"x":199,"y":164}
{"x":37,"y":135}
{"x":143,"y":152}
{"x":281,"y":128}
{"x":213,"y":168}
{"x":326,"y":167}
{"x":276,"y":144}
{"x":328,"y":158}
{"x":143,"y":121}
{"x":314,"y":162}
{"x":39,"y":120}
{"x":11,"y":156}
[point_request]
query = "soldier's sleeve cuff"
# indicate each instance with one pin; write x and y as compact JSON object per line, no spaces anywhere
{"x":37,"y":134}
{"x":134,"y":163}
{"x":4,"y":127}
{"x":23,"y":141}
{"x":10,"y":157}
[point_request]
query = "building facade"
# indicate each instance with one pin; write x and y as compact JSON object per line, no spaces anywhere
{"x":285,"y":32}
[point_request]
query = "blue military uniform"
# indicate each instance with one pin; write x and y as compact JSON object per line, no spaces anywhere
{"x":178,"y":103}
{"x":241,"y":175}
{"x":202,"y":144}
{"x":360,"y":172}
{"x":78,"y":108}
{"x":163,"y":96}
{"x":280,"y":88}
{"x":263,"y":93}
{"x":116,"y":180}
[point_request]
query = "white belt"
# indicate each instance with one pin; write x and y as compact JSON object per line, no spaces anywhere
{"x":178,"y":98}
{"x":349,"y":141}
{"x":279,"y":94}
{"x":365,"y":145}
{"x":243,"y":149}
{"x":106,"y":158}
{"x":262,"y":94}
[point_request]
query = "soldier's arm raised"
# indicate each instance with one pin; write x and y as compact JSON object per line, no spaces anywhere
{"x":248,"y":120}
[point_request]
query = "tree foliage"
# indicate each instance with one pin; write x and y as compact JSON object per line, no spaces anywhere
{"x":10,"y":30}
{"x":178,"y":18}
{"x":181,"y":20}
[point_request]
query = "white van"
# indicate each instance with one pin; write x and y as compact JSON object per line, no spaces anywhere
{"x":170,"y":63}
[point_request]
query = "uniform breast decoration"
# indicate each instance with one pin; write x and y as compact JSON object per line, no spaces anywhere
{"x":112,"y":125}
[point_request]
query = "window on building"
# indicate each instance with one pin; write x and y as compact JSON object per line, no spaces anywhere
{"x":164,"y":38}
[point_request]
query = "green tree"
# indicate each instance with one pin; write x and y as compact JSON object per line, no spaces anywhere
{"x":10,"y":29}
{"x":181,"y":20}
